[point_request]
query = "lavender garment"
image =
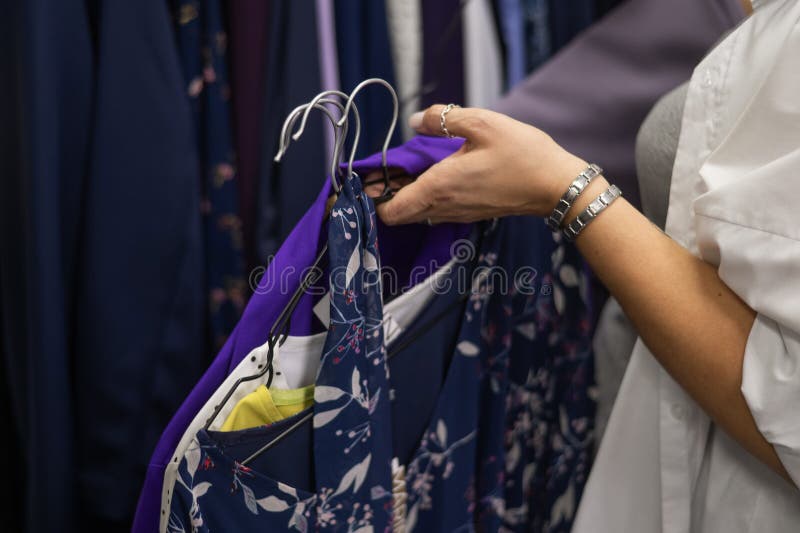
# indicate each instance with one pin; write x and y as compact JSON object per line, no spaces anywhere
{"x":296,"y":253}
{"x":328,"y":57}
{"x":593,"y":96}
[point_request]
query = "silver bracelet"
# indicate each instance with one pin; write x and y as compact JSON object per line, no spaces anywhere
{"x":573,"y":191}
{"x":598,"y":205}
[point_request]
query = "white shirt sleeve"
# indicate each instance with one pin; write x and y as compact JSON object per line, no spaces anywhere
{"x":748,"y":224}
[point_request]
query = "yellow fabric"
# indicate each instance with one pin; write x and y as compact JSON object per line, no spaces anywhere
{"x":266,"y":406}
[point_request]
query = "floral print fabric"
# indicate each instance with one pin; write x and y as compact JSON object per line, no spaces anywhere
{"x":508,"y":445}
{"x":202,"y":43}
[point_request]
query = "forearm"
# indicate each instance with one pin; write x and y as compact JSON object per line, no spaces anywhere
{"x":689,"y":319}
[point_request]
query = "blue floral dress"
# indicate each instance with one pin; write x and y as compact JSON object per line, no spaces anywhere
{"x":508,"y":444}
{"x":202,"y":44}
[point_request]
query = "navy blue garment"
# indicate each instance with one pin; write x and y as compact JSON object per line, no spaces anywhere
{"x":290,"y":460}
{"x":362,"y":41}
{"x":538,"y":48}
{"x":541,"y":387}
{"x":202,"y":44}
{"x":139,"y":312}
{"x":99,"y":339}
{"x":601,"y":7}
{"x":567,"y":19}
{"x":501,"y":435}
{"x":46,"y":112}
{"x":292,"y":78}
{"x":418,"y":362}
{"x":511,"y":28}
{"x":443,"y":53}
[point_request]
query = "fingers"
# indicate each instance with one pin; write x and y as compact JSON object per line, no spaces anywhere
{"x":374,"y":183}
{"x":408,"y":205}
{"x":471,"y":123}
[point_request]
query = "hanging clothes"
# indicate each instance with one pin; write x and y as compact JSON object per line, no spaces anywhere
{"x":538,"y":47}
{"x":329,"y":59}
{"x":536,"y":415}
{"x":292,"y":77}
{"x":499,"y":415}
{"x":483,"y":59}
{"x":296,"y":364}
{"x":264,"y":407}
{"x":599,"y":120}
{"x":202,"y":46}
{"x":362,"y":39}
{"x":262,"y":310}
{"x":512,"y":24}
{"x":249,"y":25}
{"x":142,"y":202}
{"x":46,"y":108}
{"x":429,"y":248}
{"x":404,"y":20}
{"x":567,"y":19}
{"x":443,"y":53}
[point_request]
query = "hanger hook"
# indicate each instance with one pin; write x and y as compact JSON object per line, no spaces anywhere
{"x":340,"y":130}
{"x":291,"y":120}
{"x":344,"y":118}
{"x":387,"y":191}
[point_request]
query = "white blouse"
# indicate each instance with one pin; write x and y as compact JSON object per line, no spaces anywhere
{"x":735,"y":201}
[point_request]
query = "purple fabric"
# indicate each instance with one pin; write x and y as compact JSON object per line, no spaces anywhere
{"x":594,"y":94}
{"x":297,"y":253}
{"x":415,"y":156}
{"x":417,"y":250}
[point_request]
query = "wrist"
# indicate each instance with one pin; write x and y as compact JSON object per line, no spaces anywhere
{"x":567,"y":169}
{"x":592,"y":191}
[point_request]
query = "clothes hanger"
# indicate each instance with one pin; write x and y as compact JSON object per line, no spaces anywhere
{"x":281,"y":324}
{"x":387,"y":192}
{"x":339,"y":140}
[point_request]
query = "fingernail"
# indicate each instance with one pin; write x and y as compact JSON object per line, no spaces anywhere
{"x":415,"y":120}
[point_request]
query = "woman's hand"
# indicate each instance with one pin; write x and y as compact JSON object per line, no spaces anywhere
{"x":504,"y":168}
{"x":508,"y":168}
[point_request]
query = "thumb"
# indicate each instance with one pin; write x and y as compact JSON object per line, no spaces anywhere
{"x":470,"y":123}
{"x":408,"y":205}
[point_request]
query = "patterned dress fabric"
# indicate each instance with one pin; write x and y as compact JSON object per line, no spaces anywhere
{"x":508,"y":445}
{"x":202,"y":44}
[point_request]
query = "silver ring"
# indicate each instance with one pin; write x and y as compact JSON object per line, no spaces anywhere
{"x":428,"y":221}
{"x":443,"y":119}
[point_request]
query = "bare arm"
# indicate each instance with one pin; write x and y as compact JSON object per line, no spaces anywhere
{"x":689,"y":319}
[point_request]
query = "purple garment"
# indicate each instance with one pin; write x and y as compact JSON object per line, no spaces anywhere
{"x":296,"y":253}
{"x":593,"y":96}
{"x":415,"y":250}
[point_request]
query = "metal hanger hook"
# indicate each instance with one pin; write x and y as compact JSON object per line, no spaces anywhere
{"x":392,"y":126}
{"x":344,"y":118}
{"x":339,"y":134}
